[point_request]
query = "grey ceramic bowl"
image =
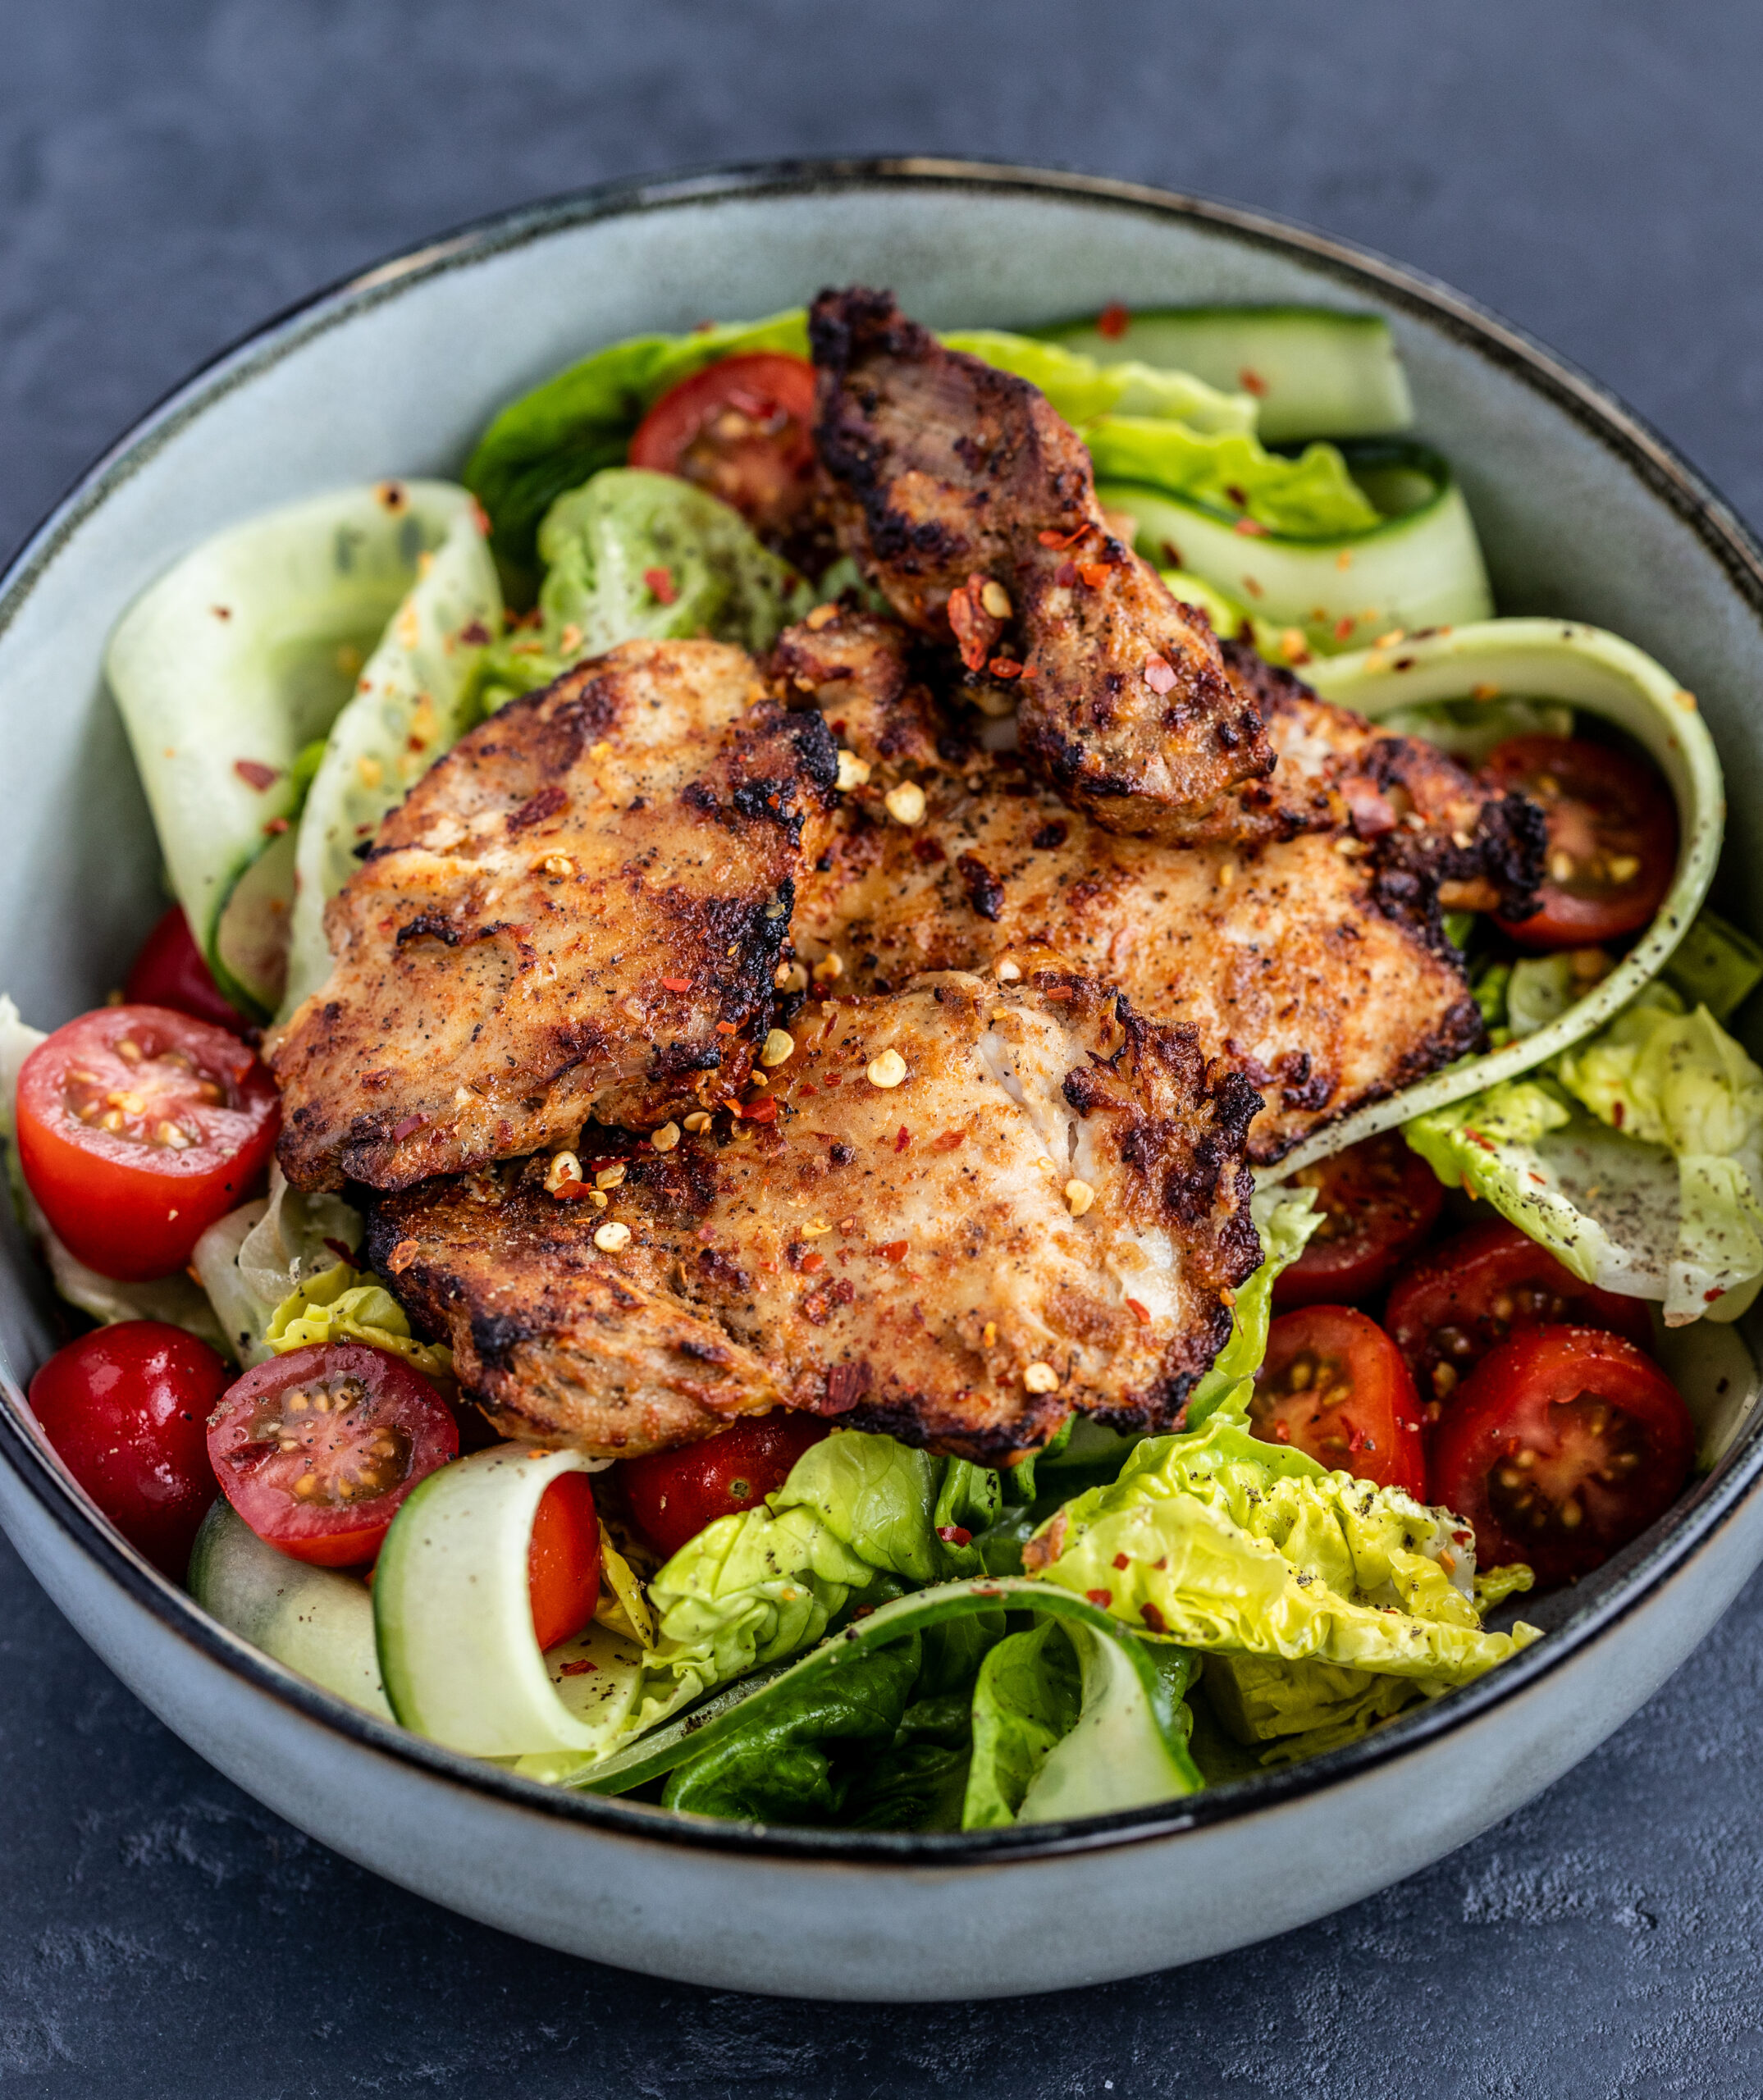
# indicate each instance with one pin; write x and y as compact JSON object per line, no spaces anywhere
{"x":1583,"y":511}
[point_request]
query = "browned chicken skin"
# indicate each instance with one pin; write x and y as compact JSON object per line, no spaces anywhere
{"x":577,"y":913}
{"x":972,"y":506}
{"x":976,"y":1209}
{"x":1313,"y":964}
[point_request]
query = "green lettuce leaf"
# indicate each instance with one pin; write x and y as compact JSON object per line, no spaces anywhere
{"x":1716,"y":965}
{"x":856,"y":1517}
{"x":1080,"y":390}
{"x":1469,"y":729}
{"x":345,"y":1304}
{"x":603,"y":545}
{"x":1539,"y":988}
{"x":1285,"y":1217}
{"x":1636,"y":1158}
{"x":257,"y":1256}
{"x":1312,"y":497}
{"x":1221,"y":1542}
{"x":1289,"y":1710}
{"x":1027,"y":1696}
{"x":553,"y":439}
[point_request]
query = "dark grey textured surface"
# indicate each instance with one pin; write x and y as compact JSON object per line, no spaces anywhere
{"x":170,"y":173}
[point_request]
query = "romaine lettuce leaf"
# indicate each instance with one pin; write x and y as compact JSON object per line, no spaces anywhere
{"x":1221,"y":1542}
{"x":606,"y":544}
{"x":1312,"y":497}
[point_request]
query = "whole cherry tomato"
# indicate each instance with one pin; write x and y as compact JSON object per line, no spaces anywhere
{"x":743,"y":429}
{"x":169,"y":971}
{"x":673,"y":1494}
{"x":127,"y":1408}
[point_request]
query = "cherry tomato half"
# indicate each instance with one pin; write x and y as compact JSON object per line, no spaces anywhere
{"x":315,"y":1449}
{"x":1458,"y":1299}
{"x":563,"y":1562}
{"x":673,"y":1494}
{"x":1334,"y":1385}
{"x":742,"y":429}
{"x":126,"y":1408}
{"x":169,"y":971}
{"x":138,"y":1127}
{"x":1613,"y":838}
{"x":1378,"y":1201}
{"x":1564,"y":1445}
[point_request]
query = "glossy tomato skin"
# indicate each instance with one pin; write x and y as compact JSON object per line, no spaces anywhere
{"x":673,"y":1494}
{"x":194,"y":1116}
{"x":126,"y":1408}
{"x":1561,"y":1420}
{"x":169,"y":971}
{"x":1378,"y":1201}
{"x":1334,"y":1385}
{"x":1462,"y":1298}
{"x":743,"y":430}
{"x":359,"y":1423}
{"x":563,"y":1561}
{"x":1613,"y":838}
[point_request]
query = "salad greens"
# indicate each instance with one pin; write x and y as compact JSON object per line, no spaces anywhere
{"x":631,"y":555}
{"x":1636,"y":1157}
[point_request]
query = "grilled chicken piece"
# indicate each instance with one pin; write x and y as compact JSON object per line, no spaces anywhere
{"x":1314,"y":965}
{"x":577,"y":913}
{"x":1048,"y":1211}
{"x":972,"y":505}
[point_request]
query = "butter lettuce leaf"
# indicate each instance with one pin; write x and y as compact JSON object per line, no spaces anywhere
{"x":1221,"y":1542}
{"x":1027,"y":1696}
{"x":1289,"y":1710}
{"x":1079,"y":389}
{"x":633,"y":556}
{"x":1312,"y":497}
{"x":345,"y":1304}
{"x":1716,"y":965}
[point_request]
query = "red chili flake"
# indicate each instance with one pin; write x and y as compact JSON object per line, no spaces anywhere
{"x":1154,"y":1618}
{"x":1343,"y":626}
{"x":950,"y":1141}
{"x":1121,"y":1561}
{"x":579,"y":1667}
{"x":255,"y":773}
{"x":676,"y":983}
{"x":221,"y":612}
{"x":1251,"y":382}
{"x":894,"y":1250}
{"x":1102,"y":1597}
{"x":275,"y":827}
{"x":1062,"y":539}
{"x":407,"y":1128}
{"x":903,"y":1140}
{"x":804,"y":1091}
{"x":546,"y":803}
{"x":1708,"y":1297}
{"x":346,"y":1254}
{"x":1004,"y":667}
{"x":398,"y":1261}
{"x":1618,"y":1113}
{"x":811,"y":1262}
{"x":661,"y":582}
{"x":954,"y":1535}
{"x":760,"y":1111}
{"x":1159,"y":674}
{"x":842,"y":1293}
{"x":1112,"y":322}
{"x":1066,"y":574}
{"x":475,"y":633}
{"x":571,"y":1192}
{"x":1094,"y":574}
{"x":1251,"y":528}
{"x":727,"y":1028}
{"x":1141,"y":1313}
{"x":1056,"y":992}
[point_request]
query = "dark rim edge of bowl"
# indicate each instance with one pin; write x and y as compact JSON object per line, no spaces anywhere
{"x":1712,"y":1502}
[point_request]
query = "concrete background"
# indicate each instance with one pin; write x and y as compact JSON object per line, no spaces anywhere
{"x":169,"y":175}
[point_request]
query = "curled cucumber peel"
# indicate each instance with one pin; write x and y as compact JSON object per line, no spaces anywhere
{"x":1420,"y":566}
{"x":229,"y":667}
{"x":453,"y":1619}
{"x":1127,"y":1749}
{"x":1590,"y":670}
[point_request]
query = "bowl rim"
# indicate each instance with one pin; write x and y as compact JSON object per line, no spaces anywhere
{"x":1613,"y":1595}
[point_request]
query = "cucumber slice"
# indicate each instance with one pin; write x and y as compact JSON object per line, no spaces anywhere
{"x":1127,"y":1750}
{"x":1421,"y":569}
{"x":316,"y":1620}
{"x":241,"y":656}
{"x":1582,"y":668}
{"x":454,"y":1618}
{"x":410,"y":705}
{"x":1316,"y":372}
{"x":249,"y":957}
